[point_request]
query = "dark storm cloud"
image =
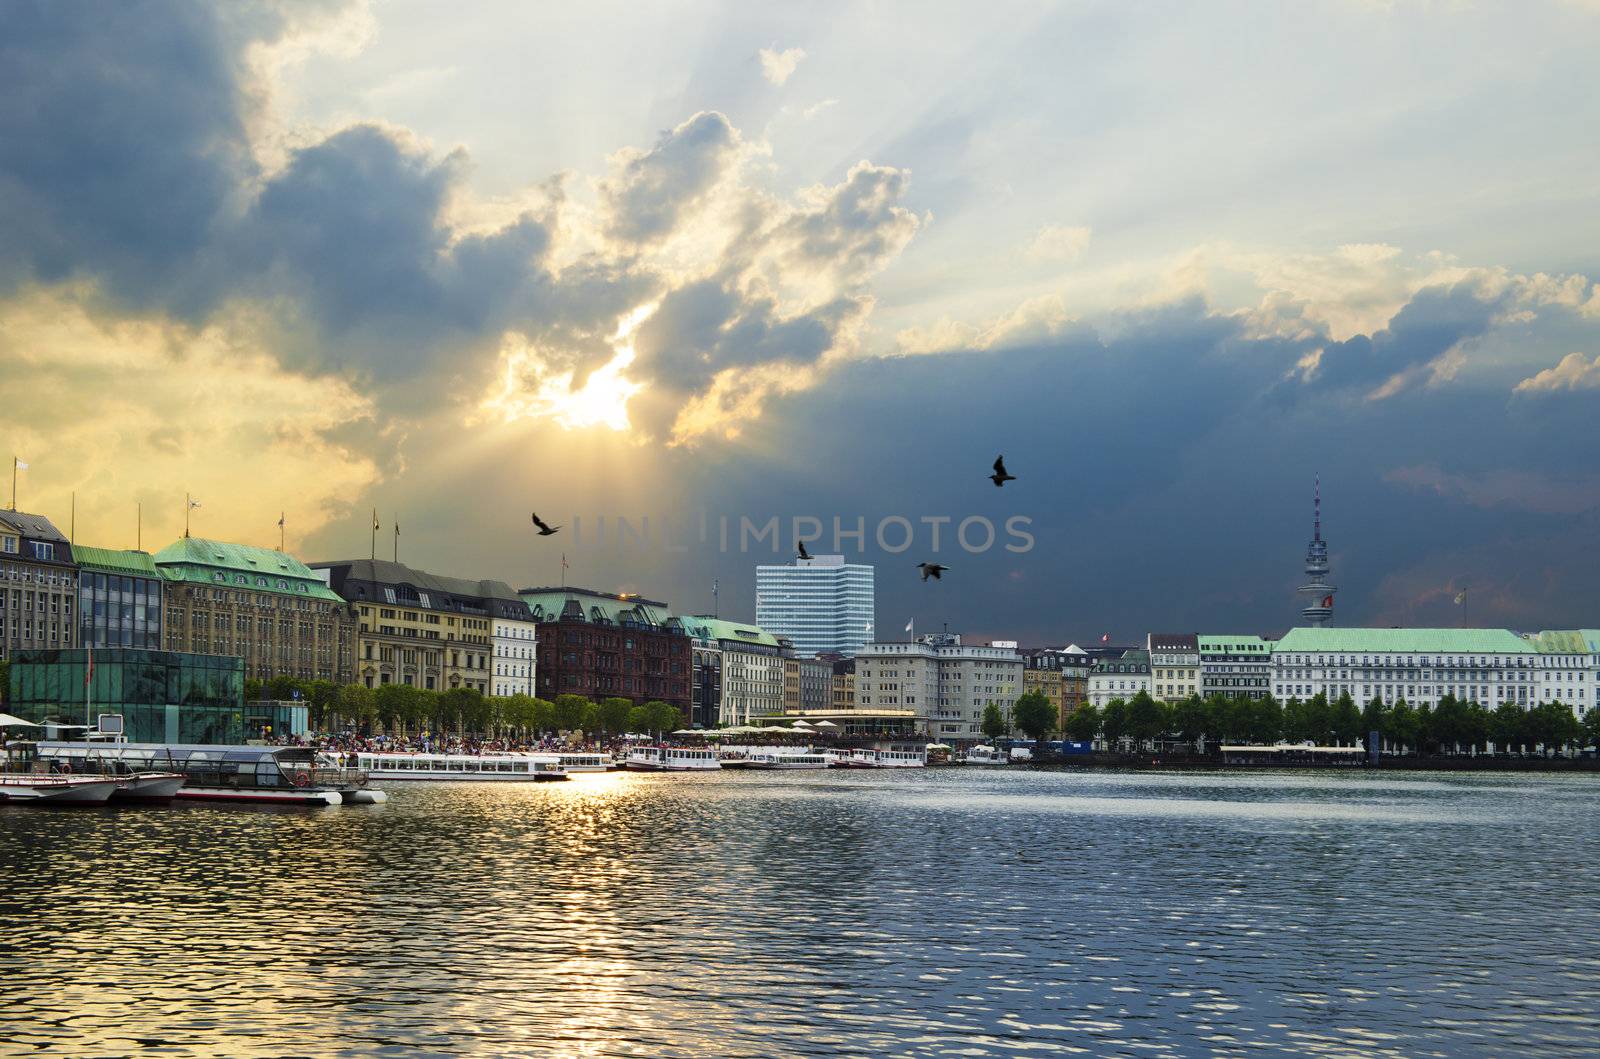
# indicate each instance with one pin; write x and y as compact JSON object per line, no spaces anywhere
{"x":121,"y":141}
{"x":1432,"y":323}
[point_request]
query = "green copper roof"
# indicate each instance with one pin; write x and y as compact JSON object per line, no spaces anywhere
{"x":1565,"y":642}
{"x":548,"y":604}
{"x":718,"y":629}
{"x":1404,"y":641}
{"x":198,"y":560}
{"x":1234,"y":643}
{"x":113,"y":561}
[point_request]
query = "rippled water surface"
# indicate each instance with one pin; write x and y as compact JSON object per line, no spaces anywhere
{"x":941,"y":912}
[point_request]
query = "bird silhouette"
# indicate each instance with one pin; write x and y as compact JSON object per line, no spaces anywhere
{"x":803,"y":553}
{"x":1000,"y":477}
{"x":544,"y":530}
{"x":932,"y":570}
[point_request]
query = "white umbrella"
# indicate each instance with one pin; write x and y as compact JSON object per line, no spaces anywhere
{"x":826,"y":724}
{"x":8,"y":721}
{"x":802,"y":724}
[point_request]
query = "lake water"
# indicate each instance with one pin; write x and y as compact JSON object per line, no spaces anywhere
{"x":931,"y":913}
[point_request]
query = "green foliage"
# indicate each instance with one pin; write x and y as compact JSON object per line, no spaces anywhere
{"x":1034,"y":715}
{"x":570,"y":712}
{"x":1114,"y":721}
{"x":1508,"y":727}
{"x":1266,"y":720}
{"x":1147,"y":717}
{"x":662,"y":717}
{"x":1591,"y":727}
{"x":994,"y":722}
{"x":542,"y":715}
{"x":358,"y":705}
{"x":1194,"y":718}
{"x":1403,"y":724}
{"x":1344,"y":720}
{"x":252,"y":689}
{"x":611,"y":715}
{"x":1083,"y":723}
{"x":400,"y":706}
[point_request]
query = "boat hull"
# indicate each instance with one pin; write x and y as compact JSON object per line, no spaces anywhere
{"x":458,"y":777}
{"x":261,"y":796}
{"x":161,"y":787}
{"x":59,"y":791}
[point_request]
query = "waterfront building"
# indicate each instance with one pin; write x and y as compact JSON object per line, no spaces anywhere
{"x":705,"y":706}
{"x":753,"y":663}
{"x":946,"y":684}
{"x":1041,"y":672}
{"x":119,"y":598}
{"x":791,"y":684}
{"x":610,"y":645}
{"x":514,"y":643}
{"x":1421,"y":666}
{"x":1119,"y":676}
{"x":1569,"y":667}
{"x":426,"y":630}
{"x":38,"y":585}
{"x":823,"y":604}
{"x":161,"y":696}
{"x":1075,"y":666}
{"x":1235,"y":666}
{"x":844,"y":684}
{"x":1319,"y":611}
{"x":1174,"y":665}
{"x":264,"y":606}
{"x":816,"y":684}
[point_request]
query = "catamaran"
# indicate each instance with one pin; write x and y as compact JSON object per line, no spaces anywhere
{"x":275,"y":775}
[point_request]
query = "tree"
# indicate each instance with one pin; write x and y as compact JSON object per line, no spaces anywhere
{"x":611,"y":715}
{"x":1083,"y":724}
{"x":1508,"y":727}
{"x":1266,"y":720}
{"x":542,"y":715}
{"x":398,"y":705}
{"x":281,"y":688}
{"x":1296,"y":725}
{"x":1193,"y":718}
{"x":570,"y":712}
{"x":1344,"y":720}
{"x":1114,"y":721}
{"x":1591,"y":727}
{"x":1147,"y":718}
{"x":357,"y":705}
{"x":662,"y":717}
{"x":252,"y":689}
{"x":1374,"y":717}
{"x":994,"y":722}
{"x":463,"y":709}
{"x":1034,"y":715}
{"x":1403,"y":725}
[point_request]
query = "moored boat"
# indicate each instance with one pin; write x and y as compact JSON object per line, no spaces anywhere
{"x":886,"y":759}
{"x":984,"y":754}
{"x":785,"y":759}
{"x":148,"y":787}
{"x":463,"y":768}
{"x":671,"y":759}
{"x":45,"y":789}
{"x":271,"y":775}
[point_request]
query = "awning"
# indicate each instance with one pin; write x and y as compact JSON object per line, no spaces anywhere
{"x":8,"y":721}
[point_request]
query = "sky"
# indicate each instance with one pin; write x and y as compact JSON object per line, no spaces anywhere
{"x":699,"y":264}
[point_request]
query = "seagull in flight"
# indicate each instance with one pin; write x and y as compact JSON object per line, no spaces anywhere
{"x":1000,"y":477}
{"x":803,"y":553}
{"x":932,"y":570}
{"x":544,"y":530}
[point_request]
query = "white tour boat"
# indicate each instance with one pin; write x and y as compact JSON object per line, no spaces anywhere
{"x":584,"y":761}
{"x":783,"y":758}
{"x":467,"y":768}
{"x":269,"y":775}
{"x":984,"y":755}
{"x":671,"y":759}
{"x":887,"y":759}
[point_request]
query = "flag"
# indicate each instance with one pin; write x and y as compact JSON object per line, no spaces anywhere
{"x":375,"y":526}
{"x":193,"y":503}
{"x":280,"y":521}
{"x":1106,"y":638}
{"x":1327,"y":601}
{"x":908,"y":626}
{"x":563,"y":560}
{"x":397,"y":529}
{"x":22,"y":465}
{"x":1461,"y":597}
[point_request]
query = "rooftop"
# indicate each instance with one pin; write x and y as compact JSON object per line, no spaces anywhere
{"x":1406,"y":641}
{"x":115,"y":561}
{"x":550,"y":604}
{"x":1564,"y":642}
{"x":709,"y":628}
{"x":199,"y":559}
{"x":385,"y":572}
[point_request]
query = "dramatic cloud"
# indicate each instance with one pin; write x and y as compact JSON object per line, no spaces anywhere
{"x":1575,"y":372}
{"x":654,"y":190}
{"x":1057,"y":242}
{"x":777,"y":66}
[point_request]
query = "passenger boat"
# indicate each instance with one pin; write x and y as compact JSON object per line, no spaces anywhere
{"x":583,"y":761}
{"x":984,"y":755}
{"x":467,"y":768}
{"x":783,"y":759}
{"x":671,"y":759}
{"x":45,"y":789}
{"x":887,"y":759}
{"x":270,"y":775}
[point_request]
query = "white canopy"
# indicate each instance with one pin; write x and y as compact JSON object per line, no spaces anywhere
{"x":8,"y":721}
{"x":826,"y":724}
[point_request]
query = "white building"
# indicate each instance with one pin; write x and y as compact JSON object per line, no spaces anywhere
{"x":514,"y":647}
{"x":1569,"y":667}
{"x":823,"y":604}
{"x":947,"y":684}
{"x":1421,"y":666}
{"x":1174,"y":665}
{"x":1119,"y":678}
{"x":1235,"y":666}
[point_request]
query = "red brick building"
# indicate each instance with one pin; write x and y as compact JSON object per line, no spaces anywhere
{"x":603,"y":644}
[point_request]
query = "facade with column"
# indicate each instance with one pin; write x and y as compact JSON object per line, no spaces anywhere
{"x":38,"y":585}
{"x":1421,"y":666}
{"x":706,"y":694}
{"x":753,"y":666}
{"x":426,"y":630}
{"x":264,"y":606}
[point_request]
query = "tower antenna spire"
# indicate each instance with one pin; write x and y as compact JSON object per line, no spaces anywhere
{"x":1320,"y":608}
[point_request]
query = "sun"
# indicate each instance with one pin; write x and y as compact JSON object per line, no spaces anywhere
{"x":528,"y":391}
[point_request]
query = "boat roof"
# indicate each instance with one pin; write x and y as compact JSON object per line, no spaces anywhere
{"x":221,"y":751}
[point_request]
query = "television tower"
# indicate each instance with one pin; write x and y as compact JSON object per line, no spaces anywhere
{"x":1320,"y":610}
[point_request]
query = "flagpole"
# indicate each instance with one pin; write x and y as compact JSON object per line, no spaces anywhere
{"x":188,"y":505}
{"x":374,"y":533}
{"x":72,"y":526}
{"x":281,"y":516}
{"x":13,"y":483}
{"x":138,"y":526}
{"x":397,"y":538}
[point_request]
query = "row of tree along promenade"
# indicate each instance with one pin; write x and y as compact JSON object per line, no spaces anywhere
{"x":1130,"y":730}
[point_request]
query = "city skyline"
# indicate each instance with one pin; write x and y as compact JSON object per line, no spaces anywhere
{"x":326,"y":260}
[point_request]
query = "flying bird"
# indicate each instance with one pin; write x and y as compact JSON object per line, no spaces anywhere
{"x":803,"y":553}
{"x":544,"y":530}
{"x":932,"y":570}
{"x":1000,"y":477}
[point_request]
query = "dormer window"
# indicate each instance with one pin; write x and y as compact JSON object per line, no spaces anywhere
{"x":8,"y":545}
{"x":44,"y":550}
